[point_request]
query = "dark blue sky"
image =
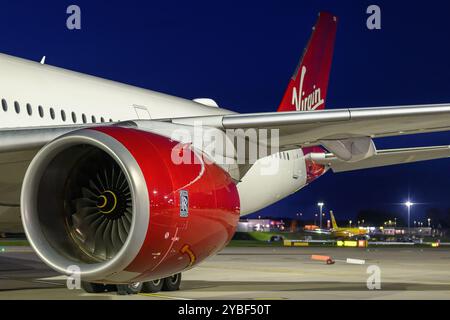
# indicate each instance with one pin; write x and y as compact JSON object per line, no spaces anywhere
{"x":242,"y":55}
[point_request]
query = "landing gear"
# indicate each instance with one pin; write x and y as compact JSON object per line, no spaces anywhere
{"x":90,"y":287}
{"x":132,"y":288}
{"x":153,"y":286}
{"x":172,"y":283}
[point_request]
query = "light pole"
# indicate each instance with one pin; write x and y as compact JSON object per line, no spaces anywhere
{"x":409,"y":204}
{"x":320,"y":204}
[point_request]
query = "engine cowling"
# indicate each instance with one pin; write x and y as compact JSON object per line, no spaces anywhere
{"x":111,"y":203}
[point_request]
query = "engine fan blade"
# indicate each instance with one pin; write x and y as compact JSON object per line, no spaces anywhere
{"x":103,"y":213}
{"x":115,"y":237}
{"x":122,"y":231}
{"x":88,"y":193}
{"x":100,"y":245}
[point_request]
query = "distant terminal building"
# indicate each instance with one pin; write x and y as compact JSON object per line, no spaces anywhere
{"x":422,"y":231}
{"x":261,"y":225}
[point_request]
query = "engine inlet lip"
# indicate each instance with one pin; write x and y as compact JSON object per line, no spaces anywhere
{"x":107,"y":270}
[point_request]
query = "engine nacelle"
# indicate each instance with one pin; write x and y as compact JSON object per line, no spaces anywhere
{"x":111,"y":202}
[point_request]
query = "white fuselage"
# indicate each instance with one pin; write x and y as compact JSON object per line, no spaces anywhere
{"x":63,"y":91}
{"x":36,"y":95}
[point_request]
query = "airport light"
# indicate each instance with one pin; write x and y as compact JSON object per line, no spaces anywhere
{"x":429,"y":222}
{"x":320,"y":204}
{"x":409,"y":204}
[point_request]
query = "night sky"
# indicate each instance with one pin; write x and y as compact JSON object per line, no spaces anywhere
{"x":242,"y":55}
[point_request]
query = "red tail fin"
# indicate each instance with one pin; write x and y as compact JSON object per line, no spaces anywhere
{"x":307,"y":89}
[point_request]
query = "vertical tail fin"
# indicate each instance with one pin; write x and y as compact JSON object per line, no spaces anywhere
{"x":333,"y":221}
{"x":307,"y":89}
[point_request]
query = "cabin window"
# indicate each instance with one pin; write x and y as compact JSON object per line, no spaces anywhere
{"x":102,"y":119}
{"x":63,"y":115}
{"x":41,"y":111}
{"x":4,"y":105}
{"x":74,"y":117}
{"x":17,"y":106}
{"x":288,"y":156}
{"x":94,"y":120}
{"x":52,"y":113}
{"x":111,"y":120}
{"x":29,"y":109}
{"x":83,"y":117}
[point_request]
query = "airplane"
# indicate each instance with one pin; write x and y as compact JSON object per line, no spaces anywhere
{"x":90,"y":168}
{"x":346,"y":232}
{"x":338,"y":232}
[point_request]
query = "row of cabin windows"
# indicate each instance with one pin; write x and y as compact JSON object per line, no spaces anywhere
{"x":52,"y":113}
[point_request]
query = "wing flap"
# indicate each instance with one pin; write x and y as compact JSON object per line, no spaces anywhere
{"x":384,"y":158}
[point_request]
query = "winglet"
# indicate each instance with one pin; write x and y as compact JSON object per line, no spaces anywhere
{"x":43,"y":60}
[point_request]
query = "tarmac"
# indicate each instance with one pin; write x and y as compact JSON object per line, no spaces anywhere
{"x":263,"y":273}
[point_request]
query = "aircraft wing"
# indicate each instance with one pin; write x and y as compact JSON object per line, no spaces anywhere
{"x":303,"y":128}
{"x":383,"y":158}
{"x":346,"y":133}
